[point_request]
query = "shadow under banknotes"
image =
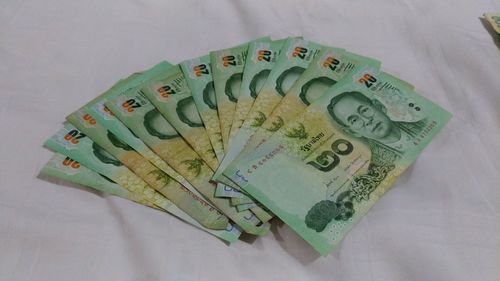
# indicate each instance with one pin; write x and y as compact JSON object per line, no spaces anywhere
{"x":293,"y":244}
{"x":495,"y":36}
{"x":248,"y":238}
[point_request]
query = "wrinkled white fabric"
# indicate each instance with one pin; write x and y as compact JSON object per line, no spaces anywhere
{"x":438,"y":222}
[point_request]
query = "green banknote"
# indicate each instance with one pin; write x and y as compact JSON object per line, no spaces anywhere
{"x":64,"y":168}
{"x":71,"y":142}
{"x":227,"y":191}
{"x":246,"y":206}
{"x":182,"y":197}
{"x":322,"y":172}
{"x":198,"y":75}
{"x":227,"y":72}
{"x":170,"y":94}
{"x":241,"y":197}
{"x":327,"y":68}
{"x":241,"y":200}
{"x":260,"y":60}
{"x":494,"y":20}
{"x":294,"y":58}
{"x":101,"y":113}
{"x":145,"y":121}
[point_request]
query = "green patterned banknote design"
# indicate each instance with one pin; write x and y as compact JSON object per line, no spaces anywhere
{"x":227,"y":72}
{"x":101,"y":113}
{"x":260,"y":60}
{"x":144,"y":120}
{"x":169,"y":93}
{"x":198,"y":75}
{"x":246,"y":206}
{"x":329,"y":67}
{"x":227,"y":191}
{"x":294,"y":58}
{"x":240,"y":200}
{"x":322,"y":172}
{"x":182,"y":197}
{"x":64,"y":168}
{"x":73,"y":143}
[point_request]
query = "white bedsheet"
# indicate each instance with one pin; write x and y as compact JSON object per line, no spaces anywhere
{"x":440,"y":221}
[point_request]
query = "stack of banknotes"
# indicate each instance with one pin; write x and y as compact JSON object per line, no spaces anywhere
{"x":494,"y":20}
{"x":309,"y":133}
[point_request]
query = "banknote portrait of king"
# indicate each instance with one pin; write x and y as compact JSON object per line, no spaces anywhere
{"x":366,"y":118}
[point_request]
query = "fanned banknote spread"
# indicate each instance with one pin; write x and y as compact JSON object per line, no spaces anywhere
{"x":288,"y":129}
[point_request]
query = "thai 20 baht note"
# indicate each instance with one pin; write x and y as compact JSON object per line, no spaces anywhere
{"x":494,"y":20}
{"x":260,"y":60}
{"x":182,"y":197}
{"x":294,"y":58}
{"x":261,"y":57}
{"x":198,"y":75}
{"x":227,"y":71}
{"x":322,"y":172}
{"x":227,"y":191}
{"x":64,"y":168}
{"x":73,"y":143}
{"x":145,"y":121}
{"x":169,"y":93}
{"x":240,"y":200}
{"x":243,"y":207}
{"x":329,"y":66}
{"x":101,"y":114}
